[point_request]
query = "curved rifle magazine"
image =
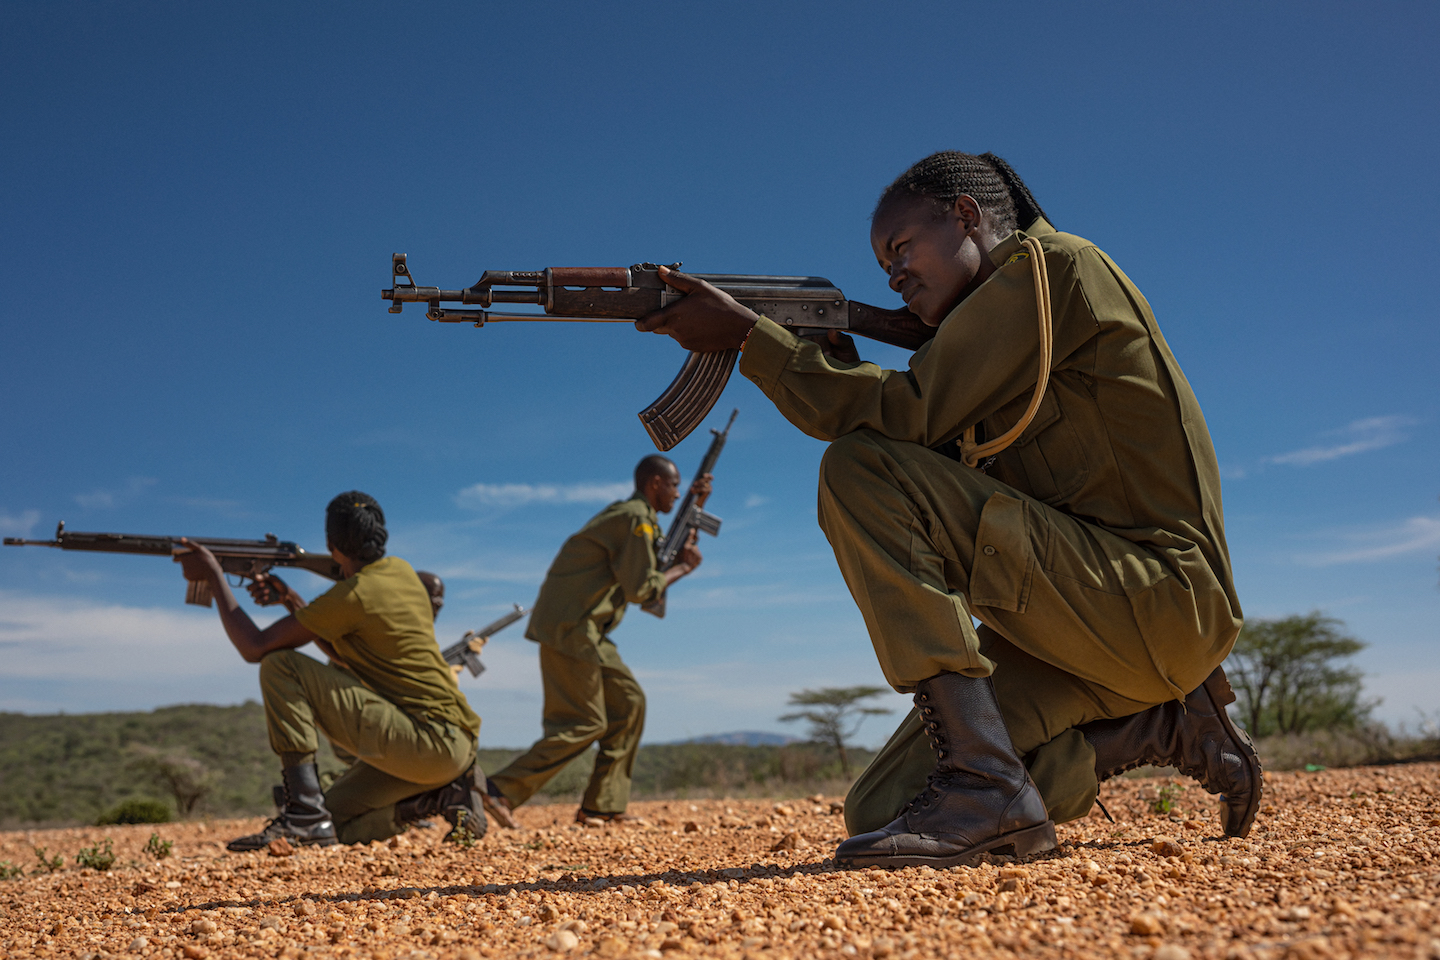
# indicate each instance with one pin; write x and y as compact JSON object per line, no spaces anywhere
{"x":689,"y":398}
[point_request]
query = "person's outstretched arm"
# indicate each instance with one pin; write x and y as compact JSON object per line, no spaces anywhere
{"x":252,"y":642}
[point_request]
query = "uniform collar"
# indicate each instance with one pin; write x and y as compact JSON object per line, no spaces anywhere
{"x":637,"y":495}
{"x":1011,"y":245}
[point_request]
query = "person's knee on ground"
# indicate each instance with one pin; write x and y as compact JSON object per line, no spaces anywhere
{"x":1197,"y":737}
{"x":459,"y":802}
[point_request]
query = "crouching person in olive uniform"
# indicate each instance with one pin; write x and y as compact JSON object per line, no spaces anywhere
{"x":1042,"y":466}
{"x":388,"y":698}
{"x":590,"y":695}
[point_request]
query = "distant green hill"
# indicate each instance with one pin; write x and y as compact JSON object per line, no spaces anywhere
{"x":66,"y":769}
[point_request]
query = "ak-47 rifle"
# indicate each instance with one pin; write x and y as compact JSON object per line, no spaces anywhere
{"x":467,"y":651}
{"x":806,"y":305}
{"x":249,"y":559}
{"x":689,"y":518}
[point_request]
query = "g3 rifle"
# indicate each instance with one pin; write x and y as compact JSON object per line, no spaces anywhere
{"x":467,"y":651}
{"x":806,"y":305}
{"x":689,"y":517}
{"x":243,"y":558}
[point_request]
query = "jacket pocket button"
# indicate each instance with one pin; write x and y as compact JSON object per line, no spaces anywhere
{"x":989,"y":551}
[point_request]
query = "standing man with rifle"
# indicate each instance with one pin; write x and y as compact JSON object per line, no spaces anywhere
{"x":590,"y":694}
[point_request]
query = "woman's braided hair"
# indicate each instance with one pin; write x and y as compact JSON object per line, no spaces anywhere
{"x":355,"y":525}
{"x":943,"y":177}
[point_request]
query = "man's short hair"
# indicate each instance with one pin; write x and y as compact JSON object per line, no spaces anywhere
{"x":355,"y":525}
{"x":653,"y":466}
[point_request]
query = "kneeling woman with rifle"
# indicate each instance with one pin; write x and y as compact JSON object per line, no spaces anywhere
{"x":388,"y":698}
{"x":1041,"y":466}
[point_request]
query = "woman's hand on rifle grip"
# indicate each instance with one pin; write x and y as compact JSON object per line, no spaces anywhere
{"x":705,"y":320}
{"x":836,"y":346}
{"x":267,"y":590}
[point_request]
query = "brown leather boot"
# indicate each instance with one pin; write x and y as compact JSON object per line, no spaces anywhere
{"x":498,"y":806}
{"x":592,"y":818}
{"x":979,"y":799}
{"x":1196,"y":737}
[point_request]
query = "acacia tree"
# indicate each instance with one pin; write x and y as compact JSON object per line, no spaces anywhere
{"x":185,"y":778}
{"x":831,"y":710}
{"x":1287,"y":678}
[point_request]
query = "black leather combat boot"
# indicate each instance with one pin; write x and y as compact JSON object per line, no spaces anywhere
{"x":1195,"y":737}
{"x":979,"y":799}
{"x":303,"y":819}
{"x":459,"y":802}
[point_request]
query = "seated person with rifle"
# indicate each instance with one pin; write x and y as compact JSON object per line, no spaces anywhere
{"x":590,"y":695}
{"x":1060,"y":487}
{"x":389,"y":700}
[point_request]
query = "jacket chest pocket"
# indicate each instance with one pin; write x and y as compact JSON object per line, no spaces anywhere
{"x":1047,"y":461}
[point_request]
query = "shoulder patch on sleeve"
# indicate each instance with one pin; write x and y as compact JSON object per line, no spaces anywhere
{"x":645,"y":530}
{"x":1022,"y":255}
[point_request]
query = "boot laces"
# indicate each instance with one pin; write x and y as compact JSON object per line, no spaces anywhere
{"x":933,"y":732}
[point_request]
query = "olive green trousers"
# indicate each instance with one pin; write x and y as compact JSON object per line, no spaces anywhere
{"x":585,"y":702}
{"x":925,"y":543}
{"x":397,"y":755}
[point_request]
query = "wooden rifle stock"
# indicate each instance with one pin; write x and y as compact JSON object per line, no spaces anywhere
{"x":805,"y":305}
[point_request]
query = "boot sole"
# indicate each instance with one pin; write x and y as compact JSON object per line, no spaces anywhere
{"x":1025,"y":842}
{"x":293,"y":841}
{"x":1218,"y":688}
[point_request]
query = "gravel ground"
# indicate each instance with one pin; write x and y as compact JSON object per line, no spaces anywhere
{"x":1341,"y":863}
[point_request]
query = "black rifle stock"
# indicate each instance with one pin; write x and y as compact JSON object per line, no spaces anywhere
{"x":466,"y":652}
{"x":689,"y":517}
{"x":242,"y":558}
{"x":806,"y":305}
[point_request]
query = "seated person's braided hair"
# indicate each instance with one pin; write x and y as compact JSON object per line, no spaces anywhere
{"x":355,"y":525}
{"x":942,"y":177}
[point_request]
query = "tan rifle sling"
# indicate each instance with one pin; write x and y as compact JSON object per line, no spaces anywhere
{"x":970,"y":451}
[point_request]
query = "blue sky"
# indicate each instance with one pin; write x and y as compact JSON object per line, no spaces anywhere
{"x":199,"y":204}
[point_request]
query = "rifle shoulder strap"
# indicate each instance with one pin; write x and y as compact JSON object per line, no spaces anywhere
{"x":971,"y":453}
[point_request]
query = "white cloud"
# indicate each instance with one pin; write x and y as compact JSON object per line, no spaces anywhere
{"x":104,"y":499}
{"x":548,"y":494}
{"x":1361,"y":436}
{"x":1414,"y":534}
{"x":12,"y":525}
{"x":755,"y":500}
{"x":55,"y":637}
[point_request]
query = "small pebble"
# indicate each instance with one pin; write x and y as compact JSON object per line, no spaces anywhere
{"x":562,"y":940}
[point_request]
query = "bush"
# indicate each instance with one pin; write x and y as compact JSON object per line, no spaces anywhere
{"x":157,"y":848}
{"x":97,"y":857}
{"x":136,"y":810}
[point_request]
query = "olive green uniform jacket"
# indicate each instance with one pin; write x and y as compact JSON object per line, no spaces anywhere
{"x":1092,"y":549}
{"x":610,"y":562}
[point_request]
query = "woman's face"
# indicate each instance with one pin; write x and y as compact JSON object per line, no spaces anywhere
{"x":933,"y":261}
